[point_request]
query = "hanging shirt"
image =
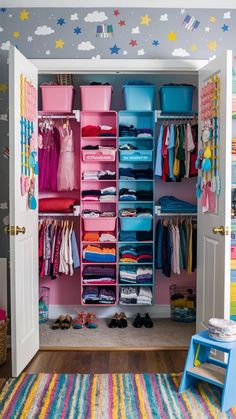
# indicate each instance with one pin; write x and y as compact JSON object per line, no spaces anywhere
{"x":159,"y":241}
{"x":171,"y":147}
{"x":75,"y":252}
{"x":176,"y":160}
{"x":158,"y":167}
{"x":165,"y":167}
{"x":189,"y":146}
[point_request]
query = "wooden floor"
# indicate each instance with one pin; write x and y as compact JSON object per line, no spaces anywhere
{"x":102,"y":362}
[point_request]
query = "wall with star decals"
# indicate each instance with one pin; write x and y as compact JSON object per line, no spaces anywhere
{"x":103,"y":33}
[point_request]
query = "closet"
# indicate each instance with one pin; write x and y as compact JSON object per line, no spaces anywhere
{"x":70,"y":292}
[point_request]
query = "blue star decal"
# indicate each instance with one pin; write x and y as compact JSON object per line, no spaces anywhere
{"x":77,"y":30}
{"x":225,"y":28}
{"x":61,"y":21}
{"x":115,"y":49}
{"x":3,"y":9}
{"x":155,"y":43}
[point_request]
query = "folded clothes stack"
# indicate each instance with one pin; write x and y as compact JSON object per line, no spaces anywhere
{"x":136,"y":295}
{"x":132,"y":147}
{"x":135,"y":212}
{"x":95,"y":274}
{"x":98,"y":131}
{"x":135,"y":236}
{"x":96,"y":237}
{"x":104,"y":195}
{"x":94,"y":295}
{"x":131,"y":131}
{"x":92,"y":253}
{"x":128,"y":173}
{"x":98,"y":147}
{"x":91,"y":213}
{"x":133,"y":195}
{"x":99,"y":175}
{"x":172,"y":204}
{"x":136,"y":254}
{"x":135,"y":275}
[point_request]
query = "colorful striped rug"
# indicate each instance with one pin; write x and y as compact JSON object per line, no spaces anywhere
{"x":107,"y":396}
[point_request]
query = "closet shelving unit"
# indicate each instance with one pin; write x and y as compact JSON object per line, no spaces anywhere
{"x":233,"y":229}
{"x":98,"y":118}
{"x":139,"y":119}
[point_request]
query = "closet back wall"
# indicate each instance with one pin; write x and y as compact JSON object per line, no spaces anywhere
{"x":67,"y":291}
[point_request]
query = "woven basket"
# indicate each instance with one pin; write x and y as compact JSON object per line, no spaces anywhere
{"x":3,"y":342}
{"x":65,"y":79}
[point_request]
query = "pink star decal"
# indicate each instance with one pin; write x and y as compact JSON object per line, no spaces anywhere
{"x":133,"y":43}
{"x":116,"y":12}
{"x":122,"y":22}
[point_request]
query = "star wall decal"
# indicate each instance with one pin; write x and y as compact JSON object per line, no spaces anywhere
{"x":193,"y":47}
{"x":133,"y":43}
{"x":122,"y":23}
{"x":212,"y":45}
{"x":213,"y":19}
{"x":3,"y":9}
{"x":3,"y":87}
{"x":24,"y":15}
{"x":145,"y":20}
{"x":225,"y":28}
{"x":155,"y":43}
{"x":29,"y":39}
{"x":172,"y":36}
{"x":115,"y":50}
{"x":116,"y":12}
{"x":77,"y":30}
{"x":16,"y":34}
{"x":59,"y":43}
{"x":61,"y":21}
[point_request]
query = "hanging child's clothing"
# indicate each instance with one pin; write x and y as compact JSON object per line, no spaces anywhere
{"x":48,"y":155}
{"x":66,"y":167}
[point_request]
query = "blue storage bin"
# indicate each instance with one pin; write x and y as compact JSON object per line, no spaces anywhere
{"x":234,"y":172}
{"x":176,"y":98}
{"x":136,"y":223}
{"x":139,"y":98}
{"x":136,"y":156}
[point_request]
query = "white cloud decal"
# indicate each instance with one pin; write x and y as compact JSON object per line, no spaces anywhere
{"x":1,"y":29}
{"x":3,"y":117}
{"x":141,"y":52}
{"x":85,"y":46}
{"x":164,"y":18}
{"x":74,"y":16}
{"x":136,"y":30}
{"x":227,"y":15}
{"x":5,"y":46}
{"x":96,"y":17}
{"x":44,"y":30}
{"x":97,"y":57}
{"x":180,"y":52}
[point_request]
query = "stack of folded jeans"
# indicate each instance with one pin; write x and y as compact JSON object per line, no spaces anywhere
{"x":172,"y":204}
{"x":128,"y":173}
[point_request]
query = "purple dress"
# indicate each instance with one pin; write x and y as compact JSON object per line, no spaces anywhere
{"x":48,"y":159}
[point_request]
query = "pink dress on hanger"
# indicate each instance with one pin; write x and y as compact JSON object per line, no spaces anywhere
{"x":66,"y":166}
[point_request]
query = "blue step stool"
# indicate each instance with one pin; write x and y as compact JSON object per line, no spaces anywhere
{"x":200,"y":365}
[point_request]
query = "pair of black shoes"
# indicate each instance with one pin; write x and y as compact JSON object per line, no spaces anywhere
{"x":118,"y":320}
{"x":145,"y":321}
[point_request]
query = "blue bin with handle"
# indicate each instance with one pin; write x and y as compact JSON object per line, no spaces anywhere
{"x":136,"y":223}
{"x":139,"y":97}
{"x":176,"y":98}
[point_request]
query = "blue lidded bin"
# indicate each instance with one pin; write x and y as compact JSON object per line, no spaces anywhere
{"x":136,"y":223}
{"x":139,"y":97}
{"x":176,"y":98}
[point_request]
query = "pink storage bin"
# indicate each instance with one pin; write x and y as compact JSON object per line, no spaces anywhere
{"x":96,"y":98}
{"x":99,"y":224}
{"x":57,"y":98}
{"x":233,"y":252}
{"x":99,"y":155}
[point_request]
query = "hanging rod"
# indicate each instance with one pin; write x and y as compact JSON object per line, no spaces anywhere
{"x":56,"y":214}
{"x":75,"y":114}
{"x":177,"y":214}
{"x":175,"y":115}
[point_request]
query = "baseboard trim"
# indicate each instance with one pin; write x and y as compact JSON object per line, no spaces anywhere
{"x":156,"y":311}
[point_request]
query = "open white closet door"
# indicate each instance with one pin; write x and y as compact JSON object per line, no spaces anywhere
{"x":23,"y":228}
{"x":213,"y":250}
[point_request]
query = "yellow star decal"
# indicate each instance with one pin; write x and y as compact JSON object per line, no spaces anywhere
{"x":24,"y":15}
{"x":213,"y":19}
{"x":193,"y":47}
{"x":172,"y":36}
{"x":3,"y":87}
{"x":212,"y":45}
{"x":16,"y":34}
{"x":59,"y":43}
{"x":145,"y":20}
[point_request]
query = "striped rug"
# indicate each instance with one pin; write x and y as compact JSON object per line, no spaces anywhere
{"x":108,"y":396}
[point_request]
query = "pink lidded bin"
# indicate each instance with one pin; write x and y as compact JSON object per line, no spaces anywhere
{"x":96,"y":98}
{"x":104,"y":155}
{"x":99,"y":224}
{"x":57,"y":98}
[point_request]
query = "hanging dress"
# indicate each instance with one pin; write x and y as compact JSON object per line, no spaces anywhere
{"x":66,"y":166}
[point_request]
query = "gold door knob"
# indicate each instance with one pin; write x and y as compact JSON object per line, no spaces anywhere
{"x":20,"y":230}
{"x":223,"y":231}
